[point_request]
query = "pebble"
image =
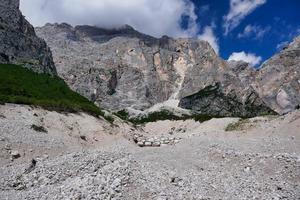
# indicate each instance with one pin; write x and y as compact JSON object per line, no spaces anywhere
{"x":247,"y":169}
{"x":141,"y":144}
{"x":15,"y":154}
{"x":148,"y":144}
{"x":7,"y":147}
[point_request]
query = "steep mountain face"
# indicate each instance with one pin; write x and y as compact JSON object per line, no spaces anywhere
{"x":124,"y":69}
{"x":19,"y":43}
{"x":278,"y":80}
{"x":225,"y":91}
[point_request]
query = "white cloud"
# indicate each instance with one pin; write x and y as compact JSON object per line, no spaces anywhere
{"x":209,"y":36}
{"x":246,"y":57}
{"x":257,"y":32}
{"x":154,"y":17}
{"x":239,"y":9}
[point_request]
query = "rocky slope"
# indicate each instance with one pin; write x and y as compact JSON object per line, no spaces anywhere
{"x":124,"y":69}
{"x":259,"y":160}
{"x":278,"y":80}
{"x":19,"y":43}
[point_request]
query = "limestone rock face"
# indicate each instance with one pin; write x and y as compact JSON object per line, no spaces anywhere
{"x":121,"y":68}
{"x":18,"y":42}
{"x":124,"y":69}
{"x":224,"y":89}
{"x":278,"y":80}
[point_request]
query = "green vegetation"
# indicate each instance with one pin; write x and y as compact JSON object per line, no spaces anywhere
{"x":39,"y":128}
{"x":156,"y":116}
{"x":23,"y":86}
{"x":109,"y":118}
{"x":237,"y":126}
{"x":123,"y":114}
{"x":161,"y":115}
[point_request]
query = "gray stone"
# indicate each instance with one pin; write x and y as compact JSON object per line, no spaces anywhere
{"x":148,"y":144}
{"x":247,"y":169}
{"x":141,"y":144}
{"x":15,"y":154}
{"x":156,"y":144}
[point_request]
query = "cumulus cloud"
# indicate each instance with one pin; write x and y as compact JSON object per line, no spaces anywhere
{"x":154,"y":17}
{"x":254,"y":31}
{"x":239,"y":9}
{"x":209,"y":36}
{"x":246,"y":57}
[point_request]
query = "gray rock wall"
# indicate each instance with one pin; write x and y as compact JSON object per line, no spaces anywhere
{"x":121,"y":68}
{"x":18,"y":42}
{"x":278,"y":80}
{"x":124,"y":69}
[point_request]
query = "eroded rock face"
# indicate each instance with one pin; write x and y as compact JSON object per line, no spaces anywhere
{"x":18,"y":42}
{"x":214,"y":101}
{"x":278,"y":80}
{"x":225,"y":89}
{"x":122,"y":68}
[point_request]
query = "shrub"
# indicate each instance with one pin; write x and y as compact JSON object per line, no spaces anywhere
{"x":161,"y":115}
{"x":109,"y":118}
{"x":23,"y":86}
{"x":156,"y":116}
{"x":123,"y":114}
{"x":39,"y":128}
{"x":237,"y":126}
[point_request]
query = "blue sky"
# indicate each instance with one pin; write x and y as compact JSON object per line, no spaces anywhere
{"x":249,"y":30}
{"x":270,"y":24}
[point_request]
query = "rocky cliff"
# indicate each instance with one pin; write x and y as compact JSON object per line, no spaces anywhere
{"x":278,"y":80}
{"x":124,"y":69}
{"x":19,"y":43}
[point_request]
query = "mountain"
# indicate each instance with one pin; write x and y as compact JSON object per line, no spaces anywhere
{"x":124,"y":69}
{"x":19,"y":43}
{"x":278,"y":80}
{"x":27,"y":71}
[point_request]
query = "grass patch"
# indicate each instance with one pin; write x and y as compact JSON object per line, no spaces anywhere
{"x":237,"y":126}
{"x":23,"y":86}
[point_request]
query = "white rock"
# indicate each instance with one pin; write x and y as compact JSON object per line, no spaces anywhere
{"x":148,"y":144}
{"x":247,"y":169}
{"x":141,"y":144}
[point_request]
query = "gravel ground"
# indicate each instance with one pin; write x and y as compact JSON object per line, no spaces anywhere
{"x":260,"y":161}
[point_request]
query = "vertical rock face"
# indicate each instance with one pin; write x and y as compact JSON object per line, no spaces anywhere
{"x":278,"y":80}
{"x":124,"y":69}
{"x":224,"y":89}
{"x":18,"y":42}
{"x":121,"y":68}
